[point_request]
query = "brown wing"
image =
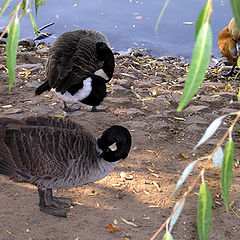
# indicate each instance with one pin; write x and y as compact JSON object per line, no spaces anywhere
{"x":30,"y":149}
{"x":72,"y":58}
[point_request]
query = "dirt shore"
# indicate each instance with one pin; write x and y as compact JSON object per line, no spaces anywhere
{"x":143,"y":96}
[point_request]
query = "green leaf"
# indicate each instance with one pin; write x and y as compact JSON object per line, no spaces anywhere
{"x":238,"y":62}
{"x":202,"y":17}
{"x":12,"y":46}
{"x":34,"y":25}
{"x":226,"y":174}
{"x":4,"y":6}
{"x":160,"y":15}
{"x":212,"y":128}
{"x":198,"y":67}
{"x":37,"y":4}
{"x":204,"y":212}
{"x":176,"y":214}
{"x":184,"y":176}
{"x":235,"y":4}
{"x":167,"y":236}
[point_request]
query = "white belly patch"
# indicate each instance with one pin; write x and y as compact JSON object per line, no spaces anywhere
{"x":81,"y":94}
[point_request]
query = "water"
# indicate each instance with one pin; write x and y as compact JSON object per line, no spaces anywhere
{"x":129,"y":23}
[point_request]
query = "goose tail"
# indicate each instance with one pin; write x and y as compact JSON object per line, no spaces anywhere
{"x":42,"y":88}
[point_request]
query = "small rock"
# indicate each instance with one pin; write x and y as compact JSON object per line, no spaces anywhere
{"x":229,"y":96}
{"x":119,"y":91}
{"x":213,"y":102}
{"x":27,"y":42}
{"x":33,"y":85}
{"x":196,"y":120}
{"x":13,"y":111}
{"x":41,"y":110}
{"x":28,"y":57}
{"x":43,"y":51}
{"x":196,"y":109}
{"x":114,"y":100}
{"x":235,"y":105}
{"x":28,"y":66}
{"x":124,"y":83}
{"x":177,"y":86}
{"x":211,"y":116}
{"x":160,"y":126}
{"x":227,"y":111}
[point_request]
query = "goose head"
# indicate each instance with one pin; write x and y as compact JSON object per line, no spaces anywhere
{"x":105,"y":54}
{"x":115,"y":143}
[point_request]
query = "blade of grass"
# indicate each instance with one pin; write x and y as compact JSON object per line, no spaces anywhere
{"x":226,"y":174}
{"x":12,"y":45}
{"x":4,"y":6}
{"x":235,"y":4}
{"x":202,"y":17}
{"x":198,"y":67}
{"x":204,"y":212}
{"x":160,"y":15}
{"x":34,"y":25}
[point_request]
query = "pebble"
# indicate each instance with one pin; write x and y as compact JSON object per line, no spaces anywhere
{"x":26,"y":42}
{"x":196,"y":109}
{"x":29,"y":66}
{"x":28,"y":57}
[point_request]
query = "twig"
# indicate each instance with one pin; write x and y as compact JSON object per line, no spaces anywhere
{"x":178,"y":205}
{"x":45,"y":26}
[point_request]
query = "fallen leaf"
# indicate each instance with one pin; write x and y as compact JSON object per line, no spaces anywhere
{"x":78,"y":203}
{"x":129,"y":223}
{"x":185,"y":155}
{"x":113,"y":228}
{"x":6,"y":106}
{"x":148,"y":193}
{"x":59,"y":116}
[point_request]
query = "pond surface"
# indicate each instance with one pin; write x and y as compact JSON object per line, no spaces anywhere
{"x":129,"y":23}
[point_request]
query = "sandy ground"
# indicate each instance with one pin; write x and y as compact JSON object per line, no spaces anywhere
{"x":143,"y":96}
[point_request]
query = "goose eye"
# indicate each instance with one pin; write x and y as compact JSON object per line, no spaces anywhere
{"x":113,"y":147}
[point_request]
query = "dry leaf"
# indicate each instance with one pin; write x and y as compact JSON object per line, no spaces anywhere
{"x":7,"y":106}
{"x":148,"y":193}
{"x":13,"y":111}
{"x":185,"y":155}
{"x":129,"y":223}
{"x":113,"y":228}
{"x":59,"y":116}
{"x":78,"y":203}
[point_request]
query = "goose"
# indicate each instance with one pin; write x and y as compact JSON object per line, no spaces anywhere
{"x":229,"y":44}
{"x":51,"y":152}
{"x":79,"y":65}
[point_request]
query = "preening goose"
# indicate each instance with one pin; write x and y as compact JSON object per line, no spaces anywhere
{"x":52,"y":153}
{"x":229,"y":44}
{"x":79,"y":65}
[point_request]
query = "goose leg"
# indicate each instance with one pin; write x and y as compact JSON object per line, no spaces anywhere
{"x":55,"y":201}
{"x":59,"y":212}
{"x":229,"y":73}
{"x":94,"y":109}
{"x":67,"y":108}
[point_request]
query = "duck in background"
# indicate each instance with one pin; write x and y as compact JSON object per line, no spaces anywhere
{"x":53,"y":152}
{"x":229,"y":44}
{"x":79,"y":65}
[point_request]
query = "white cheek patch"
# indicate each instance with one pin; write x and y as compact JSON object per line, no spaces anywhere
{"x":113,"y":147}
{"x":80,"y":95}
{"x":102,"y":74}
